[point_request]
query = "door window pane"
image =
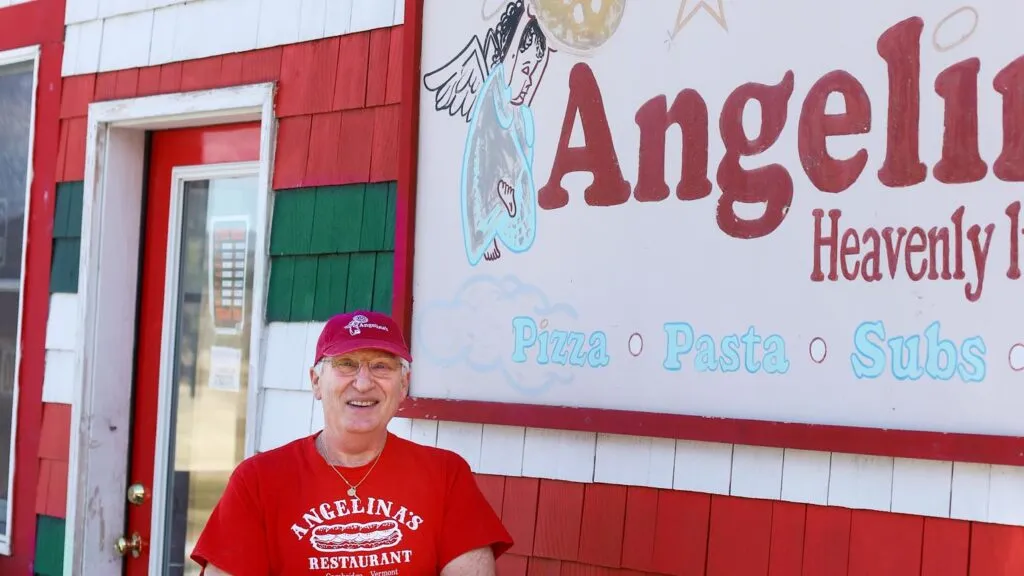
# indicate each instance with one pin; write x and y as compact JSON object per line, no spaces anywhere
{"x":211,"y":359}
{"x":15,"y":123}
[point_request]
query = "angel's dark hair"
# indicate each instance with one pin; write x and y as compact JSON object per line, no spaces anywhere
{"x":505,"y":30}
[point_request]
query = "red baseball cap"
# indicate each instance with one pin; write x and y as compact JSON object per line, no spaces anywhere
{"x":361,"y":330}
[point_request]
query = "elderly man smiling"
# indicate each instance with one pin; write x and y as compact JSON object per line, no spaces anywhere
{"x":354,"y":498}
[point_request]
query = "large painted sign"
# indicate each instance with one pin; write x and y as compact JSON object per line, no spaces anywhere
{"x":796,"y":211}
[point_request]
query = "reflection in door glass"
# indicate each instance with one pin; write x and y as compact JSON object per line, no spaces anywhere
{"x":211,"y":357}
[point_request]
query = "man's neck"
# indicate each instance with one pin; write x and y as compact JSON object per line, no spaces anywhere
{"x":350,"y":450}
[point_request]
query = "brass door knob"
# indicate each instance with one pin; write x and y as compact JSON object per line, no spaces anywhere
{"x":133,"y":545}
{"x":136,"y":494}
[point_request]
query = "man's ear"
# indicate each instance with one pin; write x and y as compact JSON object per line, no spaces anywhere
{"x":314,"y":380}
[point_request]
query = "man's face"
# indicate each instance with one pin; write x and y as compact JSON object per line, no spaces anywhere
{"x":361,"y":391}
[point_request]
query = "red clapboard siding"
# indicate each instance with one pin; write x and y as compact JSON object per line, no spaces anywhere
{"x":826,"y":541}
{"x":579,"y":569}
{"x":62,"y":149}
{"x":74,"y":162}
{"x":56,"y":500}
{"x":55,"y":434}
{"x":324,"y":136}
{"x":149,"y":81}
{"x":883,"y":544}
{"x":377,"y":80}
{"x":393,"y":93}
{"x":54,"y":445}
{"x":787,"y":539}
{"x":946,"y":547}
{"x":43,"y":486}
{"x":384,"y":158}
{"x":519,"y":513}
{"x":351,"y":85}
{"x":51,"y":490}
{"x":262,"y":65}
{"x":996,"y":550}
{"x":231,"y":68}
{"x":511,"y":565}
{"x":601,"y":532}
{"x":54,"y":441}
{"x":559,"y":514}
{"x":126,"y":83}
{"x":639,"y":528}
{"x":662,"y":531}
{"x":76,"y":93}
{"x":681,"y":533}
{"x":308,"y":73}
{"x":170,"y":77}
{"x":106,"y":86}
{"x":543,"y":567}
{"x":735,"y":520}
{"x":201,"y":74}
{"x":355,"y":146}
{"x":292,"y":151}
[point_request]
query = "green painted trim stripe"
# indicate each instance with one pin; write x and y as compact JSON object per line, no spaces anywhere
{"x":49,"y":546}
{"x":67,"y":233}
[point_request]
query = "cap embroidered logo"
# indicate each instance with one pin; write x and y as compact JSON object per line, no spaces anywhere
{"x":358,"y":322}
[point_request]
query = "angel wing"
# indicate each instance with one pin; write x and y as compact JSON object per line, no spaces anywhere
{"x":457,"y":82}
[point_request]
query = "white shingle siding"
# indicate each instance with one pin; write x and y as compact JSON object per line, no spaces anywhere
{"x":105,"y":35}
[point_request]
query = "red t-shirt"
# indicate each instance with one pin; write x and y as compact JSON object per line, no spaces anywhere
{"x":286,"y":512}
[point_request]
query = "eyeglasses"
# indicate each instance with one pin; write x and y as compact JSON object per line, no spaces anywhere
{"x":378,"y":367}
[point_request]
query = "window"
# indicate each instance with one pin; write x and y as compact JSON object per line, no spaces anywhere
{"x":17,"y":100}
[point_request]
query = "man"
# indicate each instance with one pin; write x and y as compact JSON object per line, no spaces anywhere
{"x":354,"y":498}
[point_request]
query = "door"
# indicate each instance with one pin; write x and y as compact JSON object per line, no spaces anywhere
{"x":191,"y":391}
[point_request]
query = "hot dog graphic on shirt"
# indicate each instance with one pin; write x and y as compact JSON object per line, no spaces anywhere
{"x":356,"y":536}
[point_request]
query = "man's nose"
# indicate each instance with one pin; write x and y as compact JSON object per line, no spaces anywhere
{"x":363,"y":379}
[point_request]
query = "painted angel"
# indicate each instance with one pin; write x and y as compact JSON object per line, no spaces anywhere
{"x":491,"y":83}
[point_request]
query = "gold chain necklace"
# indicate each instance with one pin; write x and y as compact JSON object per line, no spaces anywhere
{"x":322,"y":448}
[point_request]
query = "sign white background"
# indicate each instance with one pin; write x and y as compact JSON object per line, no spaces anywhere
{"x":632,"y":268}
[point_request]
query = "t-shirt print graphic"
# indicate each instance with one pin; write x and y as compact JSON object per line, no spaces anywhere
{"x":353,"y":533}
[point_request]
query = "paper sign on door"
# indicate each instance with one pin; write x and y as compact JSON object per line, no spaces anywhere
{"x":225,"y":369}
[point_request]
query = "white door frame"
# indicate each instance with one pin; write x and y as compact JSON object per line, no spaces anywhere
{"x":107,"y":292}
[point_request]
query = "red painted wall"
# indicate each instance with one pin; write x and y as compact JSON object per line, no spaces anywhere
{"x":566,"y":528}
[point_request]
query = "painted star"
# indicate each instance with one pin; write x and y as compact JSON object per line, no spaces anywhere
{"x":689,"y":8}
